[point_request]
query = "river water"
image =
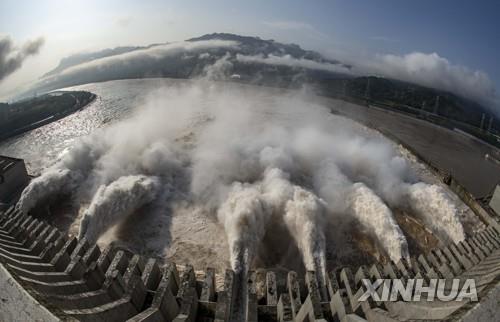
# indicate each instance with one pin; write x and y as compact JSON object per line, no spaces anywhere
{"x":193,"y":236}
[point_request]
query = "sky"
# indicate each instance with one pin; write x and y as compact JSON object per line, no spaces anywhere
{"x":464,"y":33}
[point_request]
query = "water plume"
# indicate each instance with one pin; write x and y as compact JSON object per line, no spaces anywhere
{"x":304,"y":216}
{"x":64,"y":177}
{"x":393,"y":181}
{"x":244,"y":217}
{"x":52,"y":182}
{"x":361,"y":203}
{"x":372,"y":212}
{"x":302,"y":211}
{"x":115,"y":202}
{"x":277,"y":190}
{"x":434,"y":206}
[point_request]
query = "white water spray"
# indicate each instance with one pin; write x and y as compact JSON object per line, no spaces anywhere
{"x":304,"y":216}
{"x":372,"y":212}
{"x":52,"y":182}
{"x":248,"y":159}
{"x":362,"y":204}
{"x":64,"y":177}
{"x":115,"y":202}
{"x":432,"y":204}
{"x":244,"y":217}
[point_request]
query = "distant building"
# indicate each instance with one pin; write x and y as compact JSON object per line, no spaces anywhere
{"x":13,"y":178}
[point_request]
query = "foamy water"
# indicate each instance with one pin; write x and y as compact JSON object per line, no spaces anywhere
{"x":204,"y":173}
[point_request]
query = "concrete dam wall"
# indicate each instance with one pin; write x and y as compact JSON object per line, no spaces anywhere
{"x":61,"y":278}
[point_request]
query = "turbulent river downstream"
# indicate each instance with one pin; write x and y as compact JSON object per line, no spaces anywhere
{"x":221,"y":174}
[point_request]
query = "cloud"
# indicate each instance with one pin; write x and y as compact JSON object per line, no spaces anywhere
{"x":220,"y":69}
{"x":425,"y":69}
{"x":203,"y":56}
{"x":12,"y":58}
{"x":152,"y":61}
{"x":153,"y":53}
{"x":429,"y":70}
{"x":290,"y":61}
{"x":434,"y":71}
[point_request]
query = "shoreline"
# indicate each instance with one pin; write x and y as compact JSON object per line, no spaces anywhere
{"x":52,"y":118}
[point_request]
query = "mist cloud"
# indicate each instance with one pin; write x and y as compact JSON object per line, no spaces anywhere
{"x":190,"y":58}
{"x":12,"y":57}
{"x":152,"y":61}
{"x":288,"y":60}
{"x":431,"y":70}
{"x":254,"y":162}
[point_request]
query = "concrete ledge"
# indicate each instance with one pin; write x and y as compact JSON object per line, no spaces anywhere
{"x":16,"y":304}
{"x":80,"y":281}
{"x":487,"y":310}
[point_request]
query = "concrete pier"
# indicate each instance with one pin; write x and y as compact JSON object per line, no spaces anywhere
{"x":58,"y":278}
